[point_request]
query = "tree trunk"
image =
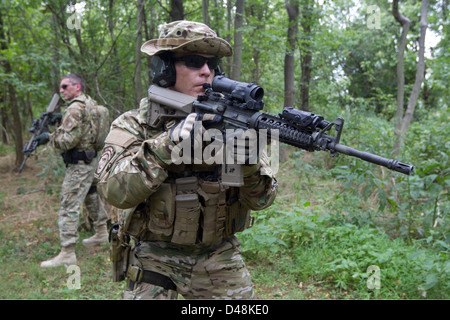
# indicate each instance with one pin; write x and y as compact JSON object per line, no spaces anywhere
{"x":3,"y":117}
{"x":405,"y":23}
{"x":217,"y":14}
{"x":256,"y":10}
{"x":111,"y":25}
{"x":237,"y":56}
{"x":228,"y":36}
{"x":137,"y":53}
{"x":402,"y":122}
{"x":150,"y":33}
{"x":12,"y":99}
{"x":17,"y":124}
{"x":306,"y":53}
{"x":292,"y":8}
{"x":205,"y":12}
{"x":55,"y":76}
{"x":176,"y":10}
{"x":420,"y":73}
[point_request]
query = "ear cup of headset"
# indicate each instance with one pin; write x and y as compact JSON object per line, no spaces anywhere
{"x":162,"y":71}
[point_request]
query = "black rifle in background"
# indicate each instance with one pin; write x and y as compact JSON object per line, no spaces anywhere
{"x":37,"y":127}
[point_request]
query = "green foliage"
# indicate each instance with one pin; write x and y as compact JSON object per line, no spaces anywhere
{"x":52,"y":173}
{"x":282,"y":229}
{"x":25,"y":279}
{"x":414,"y":203}
{"x":5,"y":149}
{"x":364,"y":216}
{"x":337,"y":254}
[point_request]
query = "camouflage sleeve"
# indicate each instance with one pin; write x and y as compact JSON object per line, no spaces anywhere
{"x":260,"y":185}
{"x":68,"y":135}
{"x":130,"y":168}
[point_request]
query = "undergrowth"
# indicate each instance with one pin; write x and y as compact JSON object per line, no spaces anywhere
{"x":355,"y":230}
{"x":346,"y":261}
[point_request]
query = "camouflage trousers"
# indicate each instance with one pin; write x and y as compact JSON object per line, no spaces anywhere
{"x":75,"y":191}
{"x":219,"y":273}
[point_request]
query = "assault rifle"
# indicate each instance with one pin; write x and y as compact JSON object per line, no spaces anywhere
{"x":238,"y":104}
{"x":39,"y":126}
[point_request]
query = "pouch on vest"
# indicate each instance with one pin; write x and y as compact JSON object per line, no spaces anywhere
{"x":238,"y":217}
{"x":162,"y":211}
{"x":73,"y":156}
{"x":214,"y":212}
{"x":187,"y":185}
{"x":136,"y":221}
{"x":187,"y":216}
{"x":187,"y":206}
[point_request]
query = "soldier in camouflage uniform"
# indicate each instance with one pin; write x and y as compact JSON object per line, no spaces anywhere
{"x":181,"y":217}
{"x":73,"y":137}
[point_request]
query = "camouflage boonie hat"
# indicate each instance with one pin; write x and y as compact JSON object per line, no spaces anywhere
{"x":187,"y":37}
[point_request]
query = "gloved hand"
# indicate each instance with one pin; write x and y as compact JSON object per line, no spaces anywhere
{"x":190,"y":133}
{"x":55,"y":118}
{"x":246,"y":149}
{"x":185,"y":129}
{"x":52,"y":117}
{"x":42,"y":138}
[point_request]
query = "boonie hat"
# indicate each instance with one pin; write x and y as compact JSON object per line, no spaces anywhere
{"x":187,"y":37}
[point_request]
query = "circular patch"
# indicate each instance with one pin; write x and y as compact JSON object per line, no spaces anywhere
{"x":107,"y":154}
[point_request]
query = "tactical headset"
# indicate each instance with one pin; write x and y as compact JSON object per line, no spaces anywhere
{"x":162,"y":70}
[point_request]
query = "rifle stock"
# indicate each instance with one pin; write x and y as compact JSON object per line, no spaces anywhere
{"x":166,"y":105}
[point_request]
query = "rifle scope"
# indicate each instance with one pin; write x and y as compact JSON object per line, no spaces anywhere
{"x":250,"y":93}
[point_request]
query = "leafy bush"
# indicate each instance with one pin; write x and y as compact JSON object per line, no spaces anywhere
{"x":328,"y":250}
{"x":361,"y":217}
{"x":5,"y":149}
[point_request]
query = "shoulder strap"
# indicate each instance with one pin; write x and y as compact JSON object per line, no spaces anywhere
{"x":81,"y":98}
{"x":120,"y":137}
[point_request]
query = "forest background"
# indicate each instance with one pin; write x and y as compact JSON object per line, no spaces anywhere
{"x":340,"y":228}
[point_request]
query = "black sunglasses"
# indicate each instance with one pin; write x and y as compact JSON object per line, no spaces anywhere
{"x":64,"y":86}
{"x":196,"y":62}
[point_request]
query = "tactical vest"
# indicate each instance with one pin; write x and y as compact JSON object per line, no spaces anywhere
{"x":191,"y":206}
{"x":188,"y":210}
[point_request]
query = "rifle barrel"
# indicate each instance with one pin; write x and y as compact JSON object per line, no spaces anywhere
{"x":369,"y":157}
{"x":23,"y":164}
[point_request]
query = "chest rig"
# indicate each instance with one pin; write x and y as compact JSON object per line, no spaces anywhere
{"x":189,"y":210}
{"x":191,"y":206}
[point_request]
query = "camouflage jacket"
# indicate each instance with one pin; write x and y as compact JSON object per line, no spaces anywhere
{"x":136,"y":163}
{"x":74,"y":129}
